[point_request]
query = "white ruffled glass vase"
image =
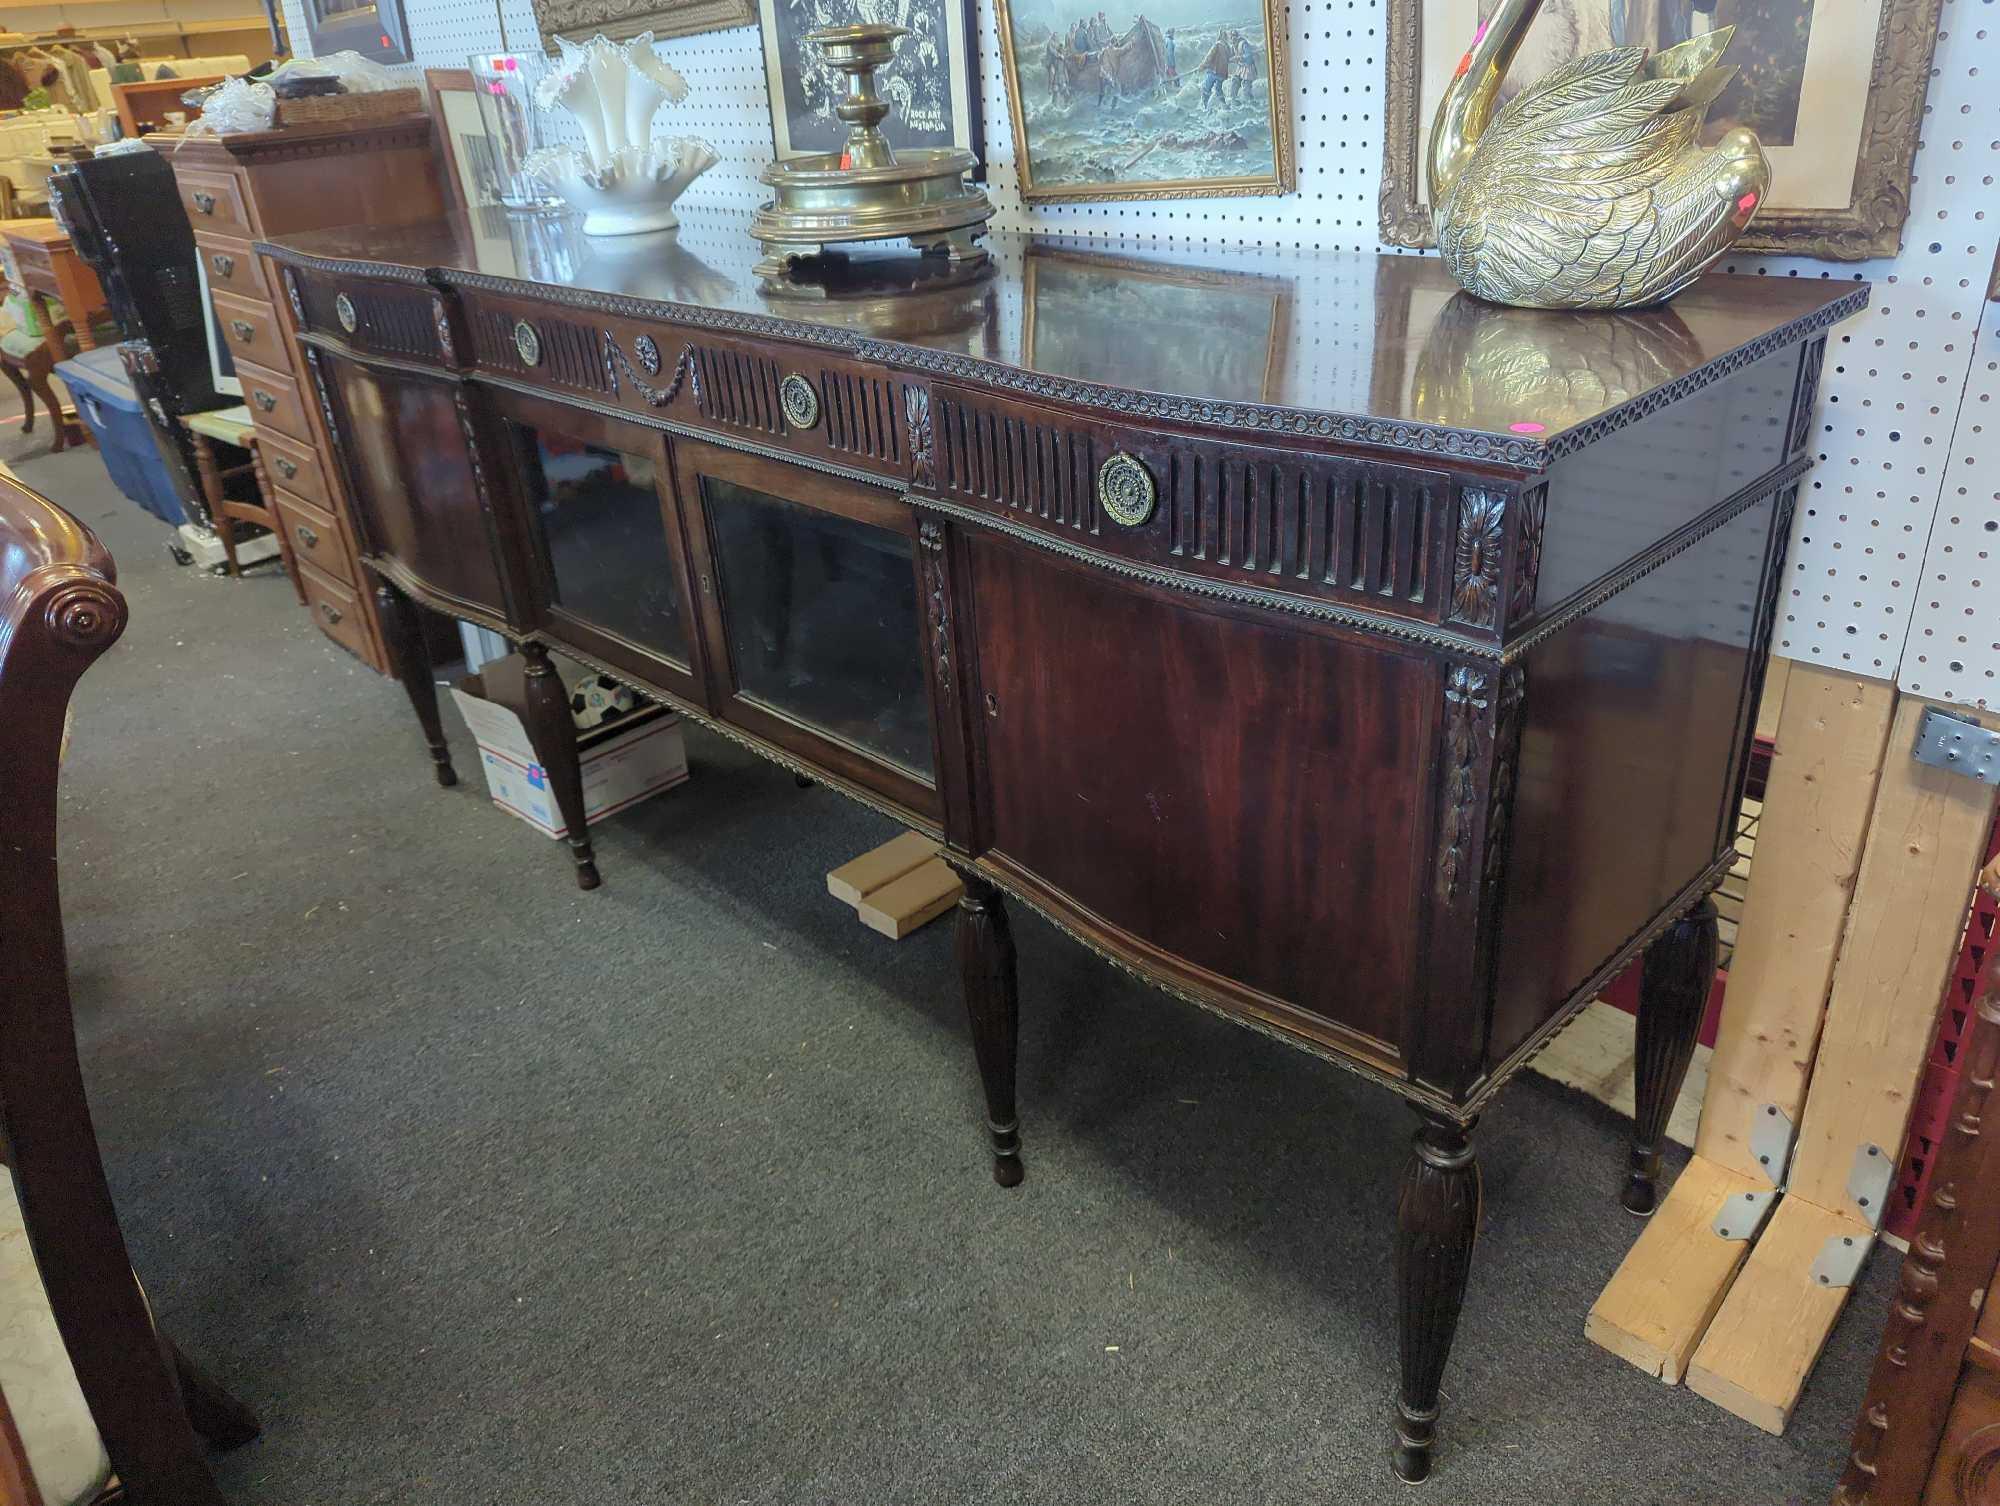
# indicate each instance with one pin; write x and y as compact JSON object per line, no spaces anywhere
{"x":625,"y":179}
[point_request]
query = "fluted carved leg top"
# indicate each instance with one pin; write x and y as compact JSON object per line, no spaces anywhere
{"x":1437,"y":1220}
{"x":985,"y":949}
{"x":1674,"y":984}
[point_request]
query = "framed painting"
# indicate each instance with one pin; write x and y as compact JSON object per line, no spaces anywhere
{"x":580,"y":20}
{"x":932,"y":83}
{"x":1835,"y":93}
{"x":1099,"y":317}
{"x":461,"y":135}
{"x":1190,"y":101}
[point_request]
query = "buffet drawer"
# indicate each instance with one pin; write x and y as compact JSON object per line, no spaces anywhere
{"x":395,"y":318}
{"x":294,"y":468}
{"x":273,"y":401}
{"x":335,"y":608}
{"x":251,"y":331}
{"x":1370,"y":535}
{"x":214,"y":201}
{"x":315,"y":536}
{"x":795,"y":399}
{"x":231,"y":266}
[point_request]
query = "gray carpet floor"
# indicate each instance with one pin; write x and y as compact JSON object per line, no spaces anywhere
{"x":484,"y":1191}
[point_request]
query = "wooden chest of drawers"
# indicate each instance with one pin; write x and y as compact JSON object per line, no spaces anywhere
{"x":236,"y":189}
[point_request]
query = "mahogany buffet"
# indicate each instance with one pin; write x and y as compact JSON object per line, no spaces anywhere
{"x":1370,"y":665}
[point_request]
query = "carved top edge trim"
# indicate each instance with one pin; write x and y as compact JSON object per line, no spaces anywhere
{"x":1510,"y":451}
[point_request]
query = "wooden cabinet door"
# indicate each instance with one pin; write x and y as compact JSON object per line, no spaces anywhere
{"x":607,"y":566}
{"x":813,"y":610}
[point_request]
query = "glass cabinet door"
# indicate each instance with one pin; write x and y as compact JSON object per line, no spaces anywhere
{"x":814,"y":612}
{"x":606,"y":536}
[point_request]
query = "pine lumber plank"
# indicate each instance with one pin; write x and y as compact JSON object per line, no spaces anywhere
{"x":1771,"y":706}
{"x":1831,"y":743}
{"x":853,"y":881}
{"x":1926,"y":841}
{"x":916,"y":899}
{"x":1655,"y":1309}
{"x":1763,"y":1342}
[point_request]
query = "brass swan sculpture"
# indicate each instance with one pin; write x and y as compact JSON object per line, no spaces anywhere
{"x":1589,"y":189}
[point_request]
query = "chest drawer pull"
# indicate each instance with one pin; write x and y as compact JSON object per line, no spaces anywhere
{"x":244,"y":330}
{"x":286,"y":468}
{"x":264,"y":399}
{"x":306,"y":536}
{"x":225,"y":266}
{"x":330,"y":612}
{"x":204,"y":201}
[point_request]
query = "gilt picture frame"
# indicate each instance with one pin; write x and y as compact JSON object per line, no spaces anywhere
{"x":1129,"y":107}
{"x":1840,"y":181}
{"x":580,"y":20}
{"x":931,"y":84}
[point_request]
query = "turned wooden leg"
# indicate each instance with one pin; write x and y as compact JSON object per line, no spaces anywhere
{"x":404,"y":627}
{"x":1674,"y":985}
{"x":1437,"y":1219}
{"x":552,"y":731}
{"x":986,"y":969}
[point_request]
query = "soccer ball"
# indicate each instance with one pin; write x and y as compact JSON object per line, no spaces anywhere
{"x":597,"y":699}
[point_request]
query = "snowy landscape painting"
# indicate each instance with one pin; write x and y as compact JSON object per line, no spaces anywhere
{"x":1183,"y":99}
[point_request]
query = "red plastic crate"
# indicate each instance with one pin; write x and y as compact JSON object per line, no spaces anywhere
{"x":1927,"y":1120}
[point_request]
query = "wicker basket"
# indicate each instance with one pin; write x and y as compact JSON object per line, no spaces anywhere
{"x":325,"y":109}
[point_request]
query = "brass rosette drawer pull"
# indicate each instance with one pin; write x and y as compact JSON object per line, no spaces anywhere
{"x":1125,"y":490}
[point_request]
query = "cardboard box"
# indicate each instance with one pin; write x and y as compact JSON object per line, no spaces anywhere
{"x":637,"y":756}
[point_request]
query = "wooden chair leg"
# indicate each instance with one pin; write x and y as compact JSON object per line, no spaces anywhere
{"x":125,"y":1374}
{"x":215,"y":1413}
{"x":20,"y":381}
{"x":38,"y":378}
{"x":211,"y":490}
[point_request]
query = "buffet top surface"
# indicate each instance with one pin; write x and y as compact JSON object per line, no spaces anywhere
{"x":1333,"y":344}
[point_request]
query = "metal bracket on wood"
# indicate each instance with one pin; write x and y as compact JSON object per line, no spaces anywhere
{"x":1868,"y":1182}
{"x":1839,"y":1260}
{"x":1771,"y":1135}
{"x":1742,"y":1214}
{"x":1956,"y":741}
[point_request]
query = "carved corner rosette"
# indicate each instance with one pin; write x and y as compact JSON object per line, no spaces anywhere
{"x":923,"y":444}
{"x":84,"y":612}
{"x":1475,"y":572}
{"x":441,"y":322}
{"x":1533,"y":515}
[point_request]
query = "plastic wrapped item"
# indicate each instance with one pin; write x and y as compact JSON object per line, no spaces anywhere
{"x":238,"y":104}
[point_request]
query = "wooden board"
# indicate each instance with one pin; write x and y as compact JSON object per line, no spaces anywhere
{"x":1757,"y":1352}
{"x":853,"y":881}
{"x":917,"y":898}
{"x":1594,"y":1054}
{"x":1926,"y":837}
{"x":1926,"y":842}
{"x":1654,"y":1311}
{"x":1810,"y":838}
{"x":1771,"y":705}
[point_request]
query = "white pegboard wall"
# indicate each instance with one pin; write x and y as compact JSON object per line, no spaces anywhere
{"x":1895,"y":376}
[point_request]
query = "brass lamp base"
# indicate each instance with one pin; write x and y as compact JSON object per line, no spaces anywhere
{"x":866,"y":191}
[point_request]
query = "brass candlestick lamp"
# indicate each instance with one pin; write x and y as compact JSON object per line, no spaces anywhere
{"x":867,"y":191}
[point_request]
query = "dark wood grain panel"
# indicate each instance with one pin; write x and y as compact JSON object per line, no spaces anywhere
{"x":1129,"y":765}
{"x":391,"y":318}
